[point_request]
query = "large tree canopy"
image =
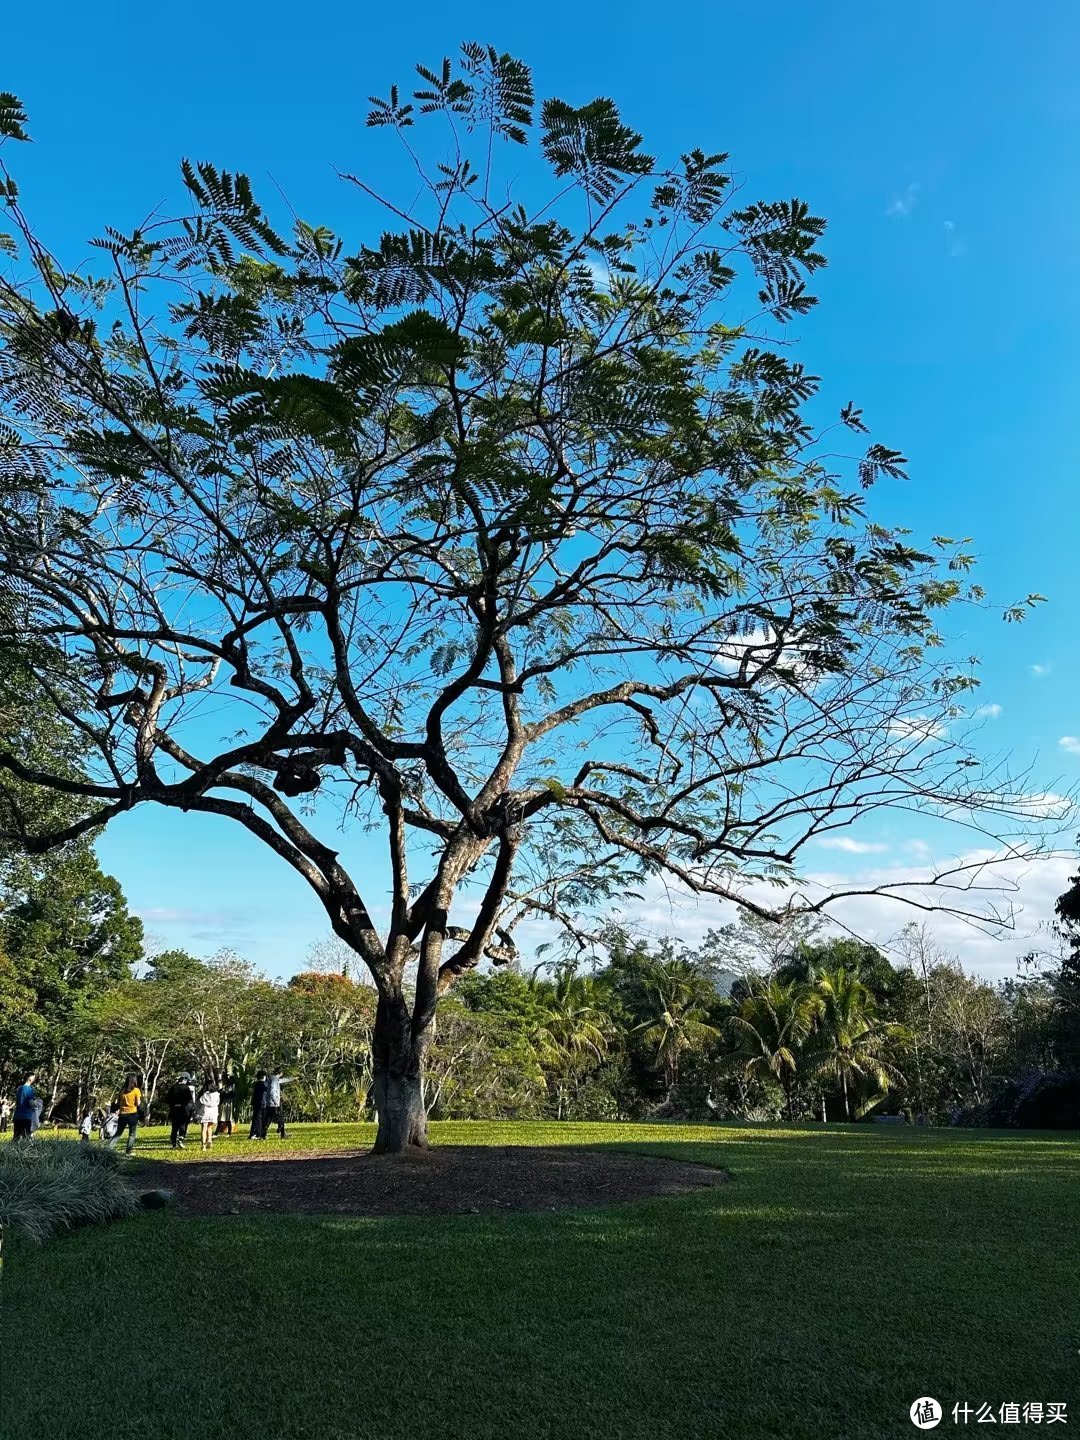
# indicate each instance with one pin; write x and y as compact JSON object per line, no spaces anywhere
{"x":511,"y":527}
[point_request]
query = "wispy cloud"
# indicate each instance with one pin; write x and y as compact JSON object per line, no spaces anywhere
{"x":1070,"y":744}
{"x":902,"y":205}
{"x":918,"y":727}
{"x":989,"y":712}
{"x":850,"y":846}
{"x":954,"y":240}
{"x":1045,"y":805}
{"x":1028,"y":887}
{"x":1038,"y":671}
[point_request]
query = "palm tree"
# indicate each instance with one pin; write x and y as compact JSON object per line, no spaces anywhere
{"x":770,"y":1029}
{"x":572,"y":1022}
{"x":679,"y":995}
{"x":853,"y":1041}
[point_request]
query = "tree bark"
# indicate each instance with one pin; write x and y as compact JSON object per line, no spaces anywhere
{"x":398,"y":1083}
{"x":54,"y":1089}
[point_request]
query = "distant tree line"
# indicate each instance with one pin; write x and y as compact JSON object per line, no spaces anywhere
{"x":757,"y":1022}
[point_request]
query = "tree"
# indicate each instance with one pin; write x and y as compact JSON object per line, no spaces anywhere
{"x":505,"y":530}
{"x":574,"y":1030}
{"x":769,"y":1030}
{"x":756,"y":944}
{"x":679,"y":997}
{"x":854,"y":1044}
{"x":22,"y":1029}
{"x":329,"y":1020}
{"x":1066,"y":982}
{"x":66,"y":929}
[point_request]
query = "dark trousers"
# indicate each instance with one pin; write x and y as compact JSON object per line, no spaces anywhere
{"x":130,"y":1123}
{"x":271,"y":1115}
{"x":22,"y":1130}
{"x":180,"y":1121}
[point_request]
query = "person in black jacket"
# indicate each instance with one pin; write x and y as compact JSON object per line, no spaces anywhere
{"x":181,"y":1108}
{"x":258,"y":1107}
{"x":228,"y":1102}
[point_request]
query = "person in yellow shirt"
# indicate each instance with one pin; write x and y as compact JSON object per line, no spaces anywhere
{"x":129,"y":1103}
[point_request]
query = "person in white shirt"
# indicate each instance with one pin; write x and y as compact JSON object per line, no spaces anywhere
{"x":207,"y":1108}
{"x":86,"y":1128}
{"x":272,"y":1106}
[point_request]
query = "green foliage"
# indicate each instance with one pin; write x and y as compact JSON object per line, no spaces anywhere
{"x":68,"y":936}
{"x":12,"y":117}
{"x":505,"y":526}
{"x":51,"y":1186}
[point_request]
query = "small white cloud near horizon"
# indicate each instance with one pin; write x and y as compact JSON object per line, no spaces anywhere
{"x":850,"y":846}
{"x":1038,"y":671}
{"x":1070,"y":744}
{"x":902,"y":205}
{"x":989,"y":712}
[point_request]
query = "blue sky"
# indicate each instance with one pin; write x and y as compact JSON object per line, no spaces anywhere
{"x":941,"y":142}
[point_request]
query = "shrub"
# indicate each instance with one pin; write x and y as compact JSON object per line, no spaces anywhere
{"x":49,"y":1187}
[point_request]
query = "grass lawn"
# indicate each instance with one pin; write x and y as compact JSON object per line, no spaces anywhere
{"x":841,"y":1274}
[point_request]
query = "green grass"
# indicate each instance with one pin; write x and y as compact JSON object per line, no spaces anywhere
{"x":841,"y":1274}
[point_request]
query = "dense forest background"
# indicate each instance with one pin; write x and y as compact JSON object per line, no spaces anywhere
{"x":760,"y":1022}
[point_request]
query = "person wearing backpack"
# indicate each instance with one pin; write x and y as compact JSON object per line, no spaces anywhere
{"x":129,"y":1106}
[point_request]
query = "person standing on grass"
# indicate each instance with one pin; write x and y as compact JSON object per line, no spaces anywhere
{"x":258,"y":1106}
{"x":5,"y":1114}
{"x":25,"y":1113}
{"x":228,"y":1099}
{"x":274,"y":1109}
{"x":86,"y":1127}
{"x":207,"y":1109}
{"x":128,"y":1108}
{"x":110,"y":1122}
{"x":181,"y":1100}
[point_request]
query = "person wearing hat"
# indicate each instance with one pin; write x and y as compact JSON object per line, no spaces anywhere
{"x":181,"y":1100}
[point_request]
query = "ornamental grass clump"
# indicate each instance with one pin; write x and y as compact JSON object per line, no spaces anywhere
{"x":52,"y":1186}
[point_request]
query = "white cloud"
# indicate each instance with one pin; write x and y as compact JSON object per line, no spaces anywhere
{"x":1026,"y":888}
{"x":900,"y":206}
{"x":1038,"y":671}
{"x":1070,"y":744}
{"x":989,"y":712}
{"x":601,"y":274}
{"x":731,"y":651}
{"x":953,"y":239}
{"x":1044,"y":805}
{"x":918,"y":727}
{"x":850,"y":846}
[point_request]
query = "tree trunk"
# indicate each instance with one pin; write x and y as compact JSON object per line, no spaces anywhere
{"x":398,"y":1085}
{"x":54,"y":1089}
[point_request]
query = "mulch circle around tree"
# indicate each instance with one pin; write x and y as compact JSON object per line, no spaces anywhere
{"x":447,"y":1180}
